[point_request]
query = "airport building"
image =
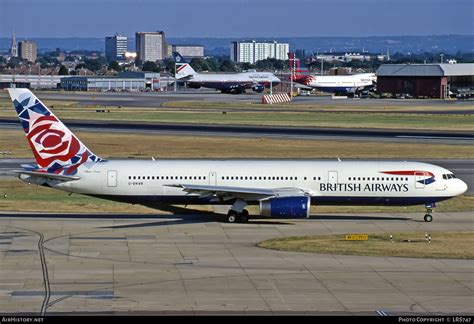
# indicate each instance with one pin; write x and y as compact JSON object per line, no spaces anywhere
{"x":426,"y":80}
{"x":151,"y":46}
{"x":189,"y":51}
{"x":27,"y":50}
{"x":115,"y":47}
{"x":252,"y":51}
{"x":31,"y":81}
{"x":124,"y":82}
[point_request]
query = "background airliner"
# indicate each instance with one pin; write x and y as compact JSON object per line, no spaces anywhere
{"x":339,"y":84}
{"x":225,"y":82}
{"x":279,"y":188}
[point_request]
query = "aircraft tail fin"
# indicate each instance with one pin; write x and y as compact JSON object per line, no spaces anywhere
{"x":184,"y":70}
{"x":298,"y":72}
{"x":178,"y":58}
{"x":56,"y":149}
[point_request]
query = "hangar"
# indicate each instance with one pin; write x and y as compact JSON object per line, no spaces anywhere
{"x":426,"y":80}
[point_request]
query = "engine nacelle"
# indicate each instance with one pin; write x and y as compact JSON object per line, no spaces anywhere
{"x":286,"y":207}
{"x":194,"y":85}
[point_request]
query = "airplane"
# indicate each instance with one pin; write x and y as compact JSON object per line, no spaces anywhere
{"x":281,"y":188}
{"x":339,"y":84}
{"x":225,"y":82}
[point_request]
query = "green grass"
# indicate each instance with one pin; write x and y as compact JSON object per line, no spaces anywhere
{"x":295,"y":118}
{"x":444,"y":245}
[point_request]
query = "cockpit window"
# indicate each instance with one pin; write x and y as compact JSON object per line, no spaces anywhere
{"x":449,"y":176}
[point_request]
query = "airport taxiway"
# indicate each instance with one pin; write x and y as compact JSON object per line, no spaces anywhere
{"x":351,"y":134}
{"x":165,"y":264}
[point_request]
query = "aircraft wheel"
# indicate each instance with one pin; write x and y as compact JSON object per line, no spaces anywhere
{"x":428,"y":218}
{"x":232,"y":216}
{"x":243,"y":218}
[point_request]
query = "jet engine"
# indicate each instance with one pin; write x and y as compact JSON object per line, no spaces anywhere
{"x":258,"y":88}
{"x":286,"y":207}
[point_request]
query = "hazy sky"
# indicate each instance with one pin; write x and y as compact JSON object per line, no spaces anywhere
{"x":236,"y":18}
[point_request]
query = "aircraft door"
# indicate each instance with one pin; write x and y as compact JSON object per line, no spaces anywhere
{"x":332,"y":177}
{"x":419,"y":180}
{"x":112,"y":178}
{"x":212,"y":178}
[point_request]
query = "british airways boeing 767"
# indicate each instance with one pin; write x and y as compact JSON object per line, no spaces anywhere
{"x":280,"y":188}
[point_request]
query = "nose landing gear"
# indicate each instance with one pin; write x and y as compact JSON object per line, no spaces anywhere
{"x":429,"y":210}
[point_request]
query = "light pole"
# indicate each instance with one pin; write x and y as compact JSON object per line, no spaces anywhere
{"x":291,"y":81}
{"x":175,"y":80}
{"x":271,"y":87}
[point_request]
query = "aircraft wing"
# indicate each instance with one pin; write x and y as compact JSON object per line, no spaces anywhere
{"x":224,"y":193}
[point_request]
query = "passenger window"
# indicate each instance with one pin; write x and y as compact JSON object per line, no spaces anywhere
{"x":304,"y":178}
{"x":129,"y":177}
{"x":134,"y":177}
{"x":319,"y":178}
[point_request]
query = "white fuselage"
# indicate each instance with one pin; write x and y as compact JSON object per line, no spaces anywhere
{"x":326,"y":182}
{"x":347,"y":83}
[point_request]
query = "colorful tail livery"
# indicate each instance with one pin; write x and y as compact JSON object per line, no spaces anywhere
{"x":57,"y":150}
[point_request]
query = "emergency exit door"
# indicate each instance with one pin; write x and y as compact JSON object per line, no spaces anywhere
{"x":332,"y":177}
{"x":112,"y":178}
{"x":212,"y":178}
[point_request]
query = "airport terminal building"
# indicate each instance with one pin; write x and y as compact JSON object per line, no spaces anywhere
{"x":125,"y":81}
{"x":426,"y":80}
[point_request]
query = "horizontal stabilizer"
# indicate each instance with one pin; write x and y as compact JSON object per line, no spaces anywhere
{"x":51,"y":176}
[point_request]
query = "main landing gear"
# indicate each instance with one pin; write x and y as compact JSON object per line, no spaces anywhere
{"x":235,"y":217}
{"x":237,"y":213}
{"x":429,"y":210}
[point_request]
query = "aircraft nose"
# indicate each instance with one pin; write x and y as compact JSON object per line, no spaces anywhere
{"x":461,"y":187}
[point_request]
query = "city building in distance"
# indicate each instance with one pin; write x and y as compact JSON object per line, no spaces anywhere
{"x":251,"y":51}
{"x":14,"y":47}
{"x":151,"y":46}
{"x":189,"y":51}
{"x":27,"y":50}
{"x":115,"y":47}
